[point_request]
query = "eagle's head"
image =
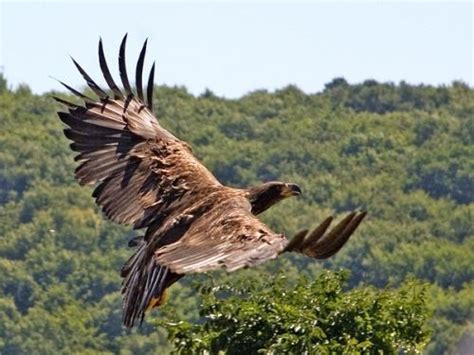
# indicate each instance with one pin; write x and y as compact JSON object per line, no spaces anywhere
{"x":266,"y":195}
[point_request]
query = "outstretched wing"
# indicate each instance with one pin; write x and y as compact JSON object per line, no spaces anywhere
{"x":140,"y":168}
{"x":231,"y":237}
{"x":228,"y":236}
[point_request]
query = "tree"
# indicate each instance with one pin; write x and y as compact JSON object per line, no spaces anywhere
{"x":3,"y":83}
{"x":402,"y":152}
{"x":278,"y":316}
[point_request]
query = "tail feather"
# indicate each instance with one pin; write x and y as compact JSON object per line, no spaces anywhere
{"x":144,"y":284}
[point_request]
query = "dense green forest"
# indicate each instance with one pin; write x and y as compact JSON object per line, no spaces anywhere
{"x":404,"y":153}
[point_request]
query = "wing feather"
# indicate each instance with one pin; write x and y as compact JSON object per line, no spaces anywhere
{"x":149,"y":91}
{"x":106,"y":72}
{"x":123,"y":66}
{"x":139,"y":72}
{"x":321,"y":243}
{"x":140,"y":169}
{"x":91,"y":83}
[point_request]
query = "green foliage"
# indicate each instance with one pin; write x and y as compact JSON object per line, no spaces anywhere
{"x":3,"y":84}
{"x":278,"y":316}
{"x":402,"y":152}
{"x":377,"y":97}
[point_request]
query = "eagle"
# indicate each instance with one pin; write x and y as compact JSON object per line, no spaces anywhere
{"x":146,"y":177}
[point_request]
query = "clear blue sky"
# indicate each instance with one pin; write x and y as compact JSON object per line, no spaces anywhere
{"x":233,"y":48}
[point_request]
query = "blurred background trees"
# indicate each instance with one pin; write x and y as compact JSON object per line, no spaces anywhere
{"x":403,"y":152}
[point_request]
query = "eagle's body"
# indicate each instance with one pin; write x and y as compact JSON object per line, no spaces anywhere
{"x":148,"y":178}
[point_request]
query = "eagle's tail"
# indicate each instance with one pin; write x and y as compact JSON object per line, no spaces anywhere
{"x":144,"y":284}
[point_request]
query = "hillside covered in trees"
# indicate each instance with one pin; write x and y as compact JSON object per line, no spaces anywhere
{"x":404,"y":153}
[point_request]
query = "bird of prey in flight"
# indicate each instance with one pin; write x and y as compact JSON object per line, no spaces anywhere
{"x":146,"y":177}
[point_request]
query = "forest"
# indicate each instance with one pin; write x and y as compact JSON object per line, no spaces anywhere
{"x":403,"y":283}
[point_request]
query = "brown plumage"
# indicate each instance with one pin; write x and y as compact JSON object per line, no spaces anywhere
{"x":148,"y":178}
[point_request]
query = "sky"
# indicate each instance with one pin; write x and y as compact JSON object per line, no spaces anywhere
{"x":233,"y":48}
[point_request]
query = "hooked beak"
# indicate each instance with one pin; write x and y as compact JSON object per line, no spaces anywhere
{"x":291,"y":190}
